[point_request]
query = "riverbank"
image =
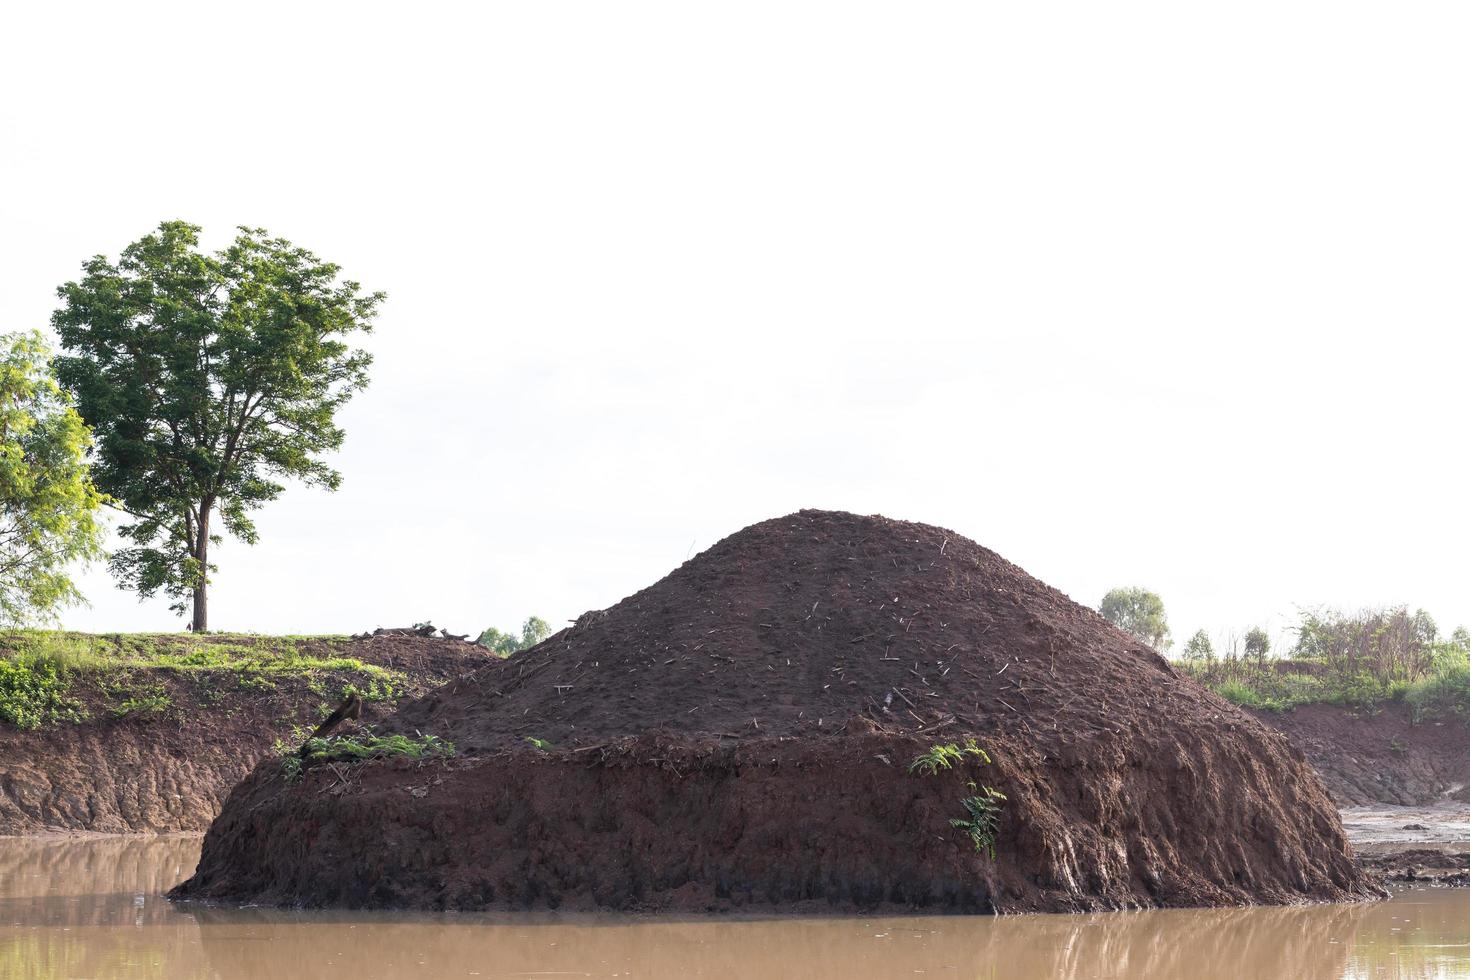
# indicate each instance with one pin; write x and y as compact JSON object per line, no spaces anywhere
{"x":149,"y":732}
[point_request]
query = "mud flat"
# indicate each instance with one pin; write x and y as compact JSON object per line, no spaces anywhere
{"x":739,"y":735}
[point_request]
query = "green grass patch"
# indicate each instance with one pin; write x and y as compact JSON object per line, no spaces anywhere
{"x":364,"y":744}
{"x":150,"y":704}
{"x":33,"y":692}
{"x":44,"y":671}
{"x":1276,"y":686}
{"x":1446,"y":693}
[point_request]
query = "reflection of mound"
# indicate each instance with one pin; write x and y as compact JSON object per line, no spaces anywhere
{"x":1229,"y":944}
{"x":735,"y":735}
{"x":92,"y":870}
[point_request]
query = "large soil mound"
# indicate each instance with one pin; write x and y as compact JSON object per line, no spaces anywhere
{"x":739,"y":733}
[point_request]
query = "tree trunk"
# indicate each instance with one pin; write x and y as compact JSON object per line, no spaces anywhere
{"x":201,"y":587}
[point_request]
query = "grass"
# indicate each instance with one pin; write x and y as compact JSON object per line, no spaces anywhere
{"x":33,"y":692}
{"x":364,"y":744}
{"x":1284,"y":684}
{"x":43,"y":672}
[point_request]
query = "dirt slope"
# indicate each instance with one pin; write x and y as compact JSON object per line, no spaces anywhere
{"x":738,"y":735}
{"x":169,"y":769}
{"x":1379,"y":756}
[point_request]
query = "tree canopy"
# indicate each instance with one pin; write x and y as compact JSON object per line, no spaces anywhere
{"x":48,"y":505}
{"x":533,"y":631}
{"x":207,"y":379}
{"x":1199,"y":647}
{"x":1140,"y":612}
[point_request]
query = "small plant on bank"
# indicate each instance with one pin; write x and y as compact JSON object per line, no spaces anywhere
{"x":946,"y":757}
{"x":365,"y":744}
{"x":982,"y":808}
{"x":983,"y":820}
{"x":540,"y":743}
{"x":151,"y":703}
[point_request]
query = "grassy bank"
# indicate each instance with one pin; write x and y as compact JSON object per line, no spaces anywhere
{"x":59,"y":678}
{"x":1440,"y":689}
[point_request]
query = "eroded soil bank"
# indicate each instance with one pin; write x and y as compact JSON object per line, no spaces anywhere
{"x":739,"y":735}
{"x":153,"y":741}
{"x":659,"y":823}
{"x":1382,"y":755}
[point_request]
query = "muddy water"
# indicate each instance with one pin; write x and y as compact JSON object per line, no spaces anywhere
{"x":94,"y":908}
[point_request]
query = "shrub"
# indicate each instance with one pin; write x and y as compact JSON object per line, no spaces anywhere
{"x":1445,"y":692}
{"x":33,"y":692}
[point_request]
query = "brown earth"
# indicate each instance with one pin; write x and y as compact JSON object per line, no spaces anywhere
{"x":739,"y":733}
{"x":170,"y":771}
{"x":1426,"y":866}
{"x":1380,"y":755}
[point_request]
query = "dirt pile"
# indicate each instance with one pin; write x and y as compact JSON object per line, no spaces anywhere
{"x":157,"y":748}
{"x":739,"y":735}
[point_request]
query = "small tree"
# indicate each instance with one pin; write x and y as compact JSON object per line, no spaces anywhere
{"x":207,"y":378}
{"x":48,"y":505}
{"x":1199,"y":647}
{"x":533,"y":631}
{"x":1140,"y":612}
{"x":1257,"y":644}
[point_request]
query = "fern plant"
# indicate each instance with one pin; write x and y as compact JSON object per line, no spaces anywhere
{"x":983,"y":820}
{"x":946,"y":757}
{"x":982,"y":808}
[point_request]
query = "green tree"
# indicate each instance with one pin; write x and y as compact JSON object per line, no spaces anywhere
{"x":48,"y":505}
{"x":1199,"y":647}
{"x":1140,"y":612}
{"x":533,"y":631}
{"x":1257,"y":644}
{"x":207,"y":378}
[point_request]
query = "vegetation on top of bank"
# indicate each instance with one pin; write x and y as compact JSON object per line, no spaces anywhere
{"x":1360,"y":660}
{"x":44,"y":673}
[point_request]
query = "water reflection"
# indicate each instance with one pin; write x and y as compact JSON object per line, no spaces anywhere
{"x":93,"y":908}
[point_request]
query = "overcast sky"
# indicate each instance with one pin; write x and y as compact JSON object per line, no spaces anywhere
{"x":1132,"y":293}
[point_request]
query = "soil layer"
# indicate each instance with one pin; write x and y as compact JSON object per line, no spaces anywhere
{"x":1380,"y":755}
{"x":739,"y":735}
{"x":169,"y":768}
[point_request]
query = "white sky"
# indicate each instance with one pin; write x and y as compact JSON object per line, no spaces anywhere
{"x":1155,"y":293}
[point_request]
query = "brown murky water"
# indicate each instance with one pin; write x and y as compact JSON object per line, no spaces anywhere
{"x":94,"y":909}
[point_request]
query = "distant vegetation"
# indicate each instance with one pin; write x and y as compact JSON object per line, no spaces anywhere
{"x":1140,"y":612}
{"x":533,"y":631}
{"x":1360,"y":660}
